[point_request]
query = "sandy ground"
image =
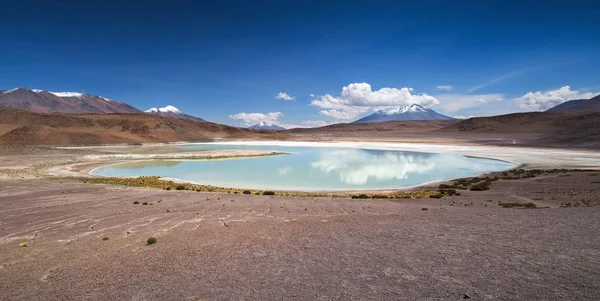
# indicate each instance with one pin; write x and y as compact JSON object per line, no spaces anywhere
{"x":243,"y":247}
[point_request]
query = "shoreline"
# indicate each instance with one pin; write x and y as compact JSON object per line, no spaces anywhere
{"x":544,"y":159}
{"x":540,"y":158}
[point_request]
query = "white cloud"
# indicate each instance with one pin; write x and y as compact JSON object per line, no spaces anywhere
{"x":284,"y":96}
{"x":315,"y":123}
{"x":306,"y":124}
{"x":455,"y":102}
{"x":311,"y":95}
{"x":540,"y":101}
{"x":445,"y":88}
{"x":254,"y":118}
{"x":342,"y":114}
{"x":464,"y":117}
{"x":358,"y":98}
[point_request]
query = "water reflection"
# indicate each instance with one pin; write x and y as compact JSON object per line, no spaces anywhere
{"x":357,"y":167}
{"x":315,"y":169}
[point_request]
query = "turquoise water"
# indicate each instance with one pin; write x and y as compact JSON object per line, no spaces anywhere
{"x":313,"y":168}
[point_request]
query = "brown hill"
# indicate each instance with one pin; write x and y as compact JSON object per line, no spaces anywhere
{"x":578,"y":106}
{"x":65,"y":102}
{"x":413,"y":126}
{"x":19,"y":127}
{"x":551,"y":129}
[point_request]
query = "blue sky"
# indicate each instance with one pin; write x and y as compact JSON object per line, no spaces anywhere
{"x":218,"y":59}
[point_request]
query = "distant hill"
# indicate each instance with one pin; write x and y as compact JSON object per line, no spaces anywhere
{"x":18,"y":127}
{"x":404,"y":113}
{"x":555,"y":129}
{"x":171,"y":111}
{"x":411,"y":126}
{"x":41,"y":101}
{"x":578,"y":106}
{"x":264,"y":126}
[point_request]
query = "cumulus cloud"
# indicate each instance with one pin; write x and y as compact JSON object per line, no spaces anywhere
{"x":464,"y":117}
{"x":540,"y":101}
{"x":358,"y":98}
{"x":254,"y":118}
{"x":343,"y":114}
{"x":445,"y":88}
{"x":455,"y":102}
{"x":305,"y":124}
{"x":315,"y":123}
{"x":284,"y":96}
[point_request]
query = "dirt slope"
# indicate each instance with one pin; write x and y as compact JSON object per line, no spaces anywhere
{"x":554,"y":129}
{"x":388,"y":126}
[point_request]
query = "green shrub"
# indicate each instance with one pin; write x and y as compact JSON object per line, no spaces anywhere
{"x":380,"y":196}
{"x":136,"y":202}
{"x":447,"y":191}
{"x":105,"y":238}
{"x":151,"y":240}
{"x":518,"y":205}
{"x":268,"y":193}
{"x":361,"y":196}
{"x":168,"y":188}
{"x":481,"y":186}
{"x":180,"y":187}
{"x":145,"y":203}
{"x":247,"y":192}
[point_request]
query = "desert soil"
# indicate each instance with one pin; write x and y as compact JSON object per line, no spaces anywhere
{"x":247,"y":247}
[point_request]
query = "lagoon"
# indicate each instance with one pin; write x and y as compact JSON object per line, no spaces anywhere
{"x":309,"y":168}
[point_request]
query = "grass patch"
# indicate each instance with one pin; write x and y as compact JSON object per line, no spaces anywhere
{"x":447,"y":191}
{"x":481,"y":186}
{"x":518,"y":205}
{"x":159,"y":183}
{"x":145,"y":203}
{"x":151,"y":241}
{"x":24,"y":244}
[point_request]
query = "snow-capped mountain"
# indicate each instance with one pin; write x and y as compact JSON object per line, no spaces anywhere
{"x":404,"y":113}
{"x":42,"y":101}
{"x":265,"y":126}
{"x":171,"y":111}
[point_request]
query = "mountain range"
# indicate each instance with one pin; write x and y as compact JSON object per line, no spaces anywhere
{"x":404,"y":113}
{"x":171,"y":111}
{"x":41,"y":101}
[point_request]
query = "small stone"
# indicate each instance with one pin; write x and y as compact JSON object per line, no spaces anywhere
{"x":466,"y":296}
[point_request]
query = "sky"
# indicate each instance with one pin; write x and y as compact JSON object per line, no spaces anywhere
{"x":306,"y":63}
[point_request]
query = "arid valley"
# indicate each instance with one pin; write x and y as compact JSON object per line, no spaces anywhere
{"x":299,"y":150}
{"x":84,"y":237}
